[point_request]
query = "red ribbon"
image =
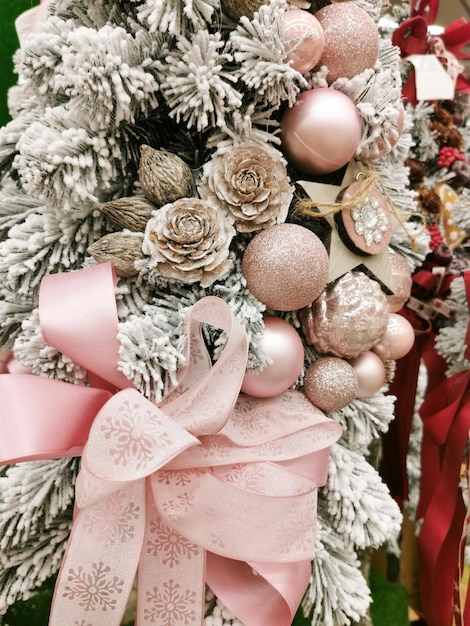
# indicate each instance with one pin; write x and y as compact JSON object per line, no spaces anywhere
{"x":446,"y":422}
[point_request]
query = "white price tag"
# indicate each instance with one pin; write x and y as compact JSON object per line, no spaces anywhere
{"x":432,"y":80}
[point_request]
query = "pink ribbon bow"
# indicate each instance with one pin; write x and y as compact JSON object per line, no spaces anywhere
{"x":208,"y":487}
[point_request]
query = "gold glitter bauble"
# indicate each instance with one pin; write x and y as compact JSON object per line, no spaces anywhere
{"x":351,"y":40}
{"x":331,"y":383}
{"x":348,"y":318}
{"x":285,"y":267}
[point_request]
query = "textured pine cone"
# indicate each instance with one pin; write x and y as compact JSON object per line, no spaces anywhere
{"x":164,"y":177}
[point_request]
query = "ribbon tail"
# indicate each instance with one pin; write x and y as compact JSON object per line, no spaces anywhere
{"x":171,"y":586}
{"x":98,"y":570}
{"x":258,"y":594}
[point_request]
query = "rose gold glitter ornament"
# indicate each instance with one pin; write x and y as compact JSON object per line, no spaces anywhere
{"x":370,"y":372}
{"x":303,"y":39}
{"x":285,"y":267}
{"x":397,"y":340}
{"x":348,"y":318}
{"x":351,"y":40}
{"x":402,"y":281}
{"x":321,"y":132}
{"x":366,"y":228}
{"x":282,"y":345}
{"x":331,"y":383}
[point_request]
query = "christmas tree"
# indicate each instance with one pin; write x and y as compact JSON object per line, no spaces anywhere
{"x":161,"y":139}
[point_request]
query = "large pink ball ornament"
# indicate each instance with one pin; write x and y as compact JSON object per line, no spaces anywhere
{"x":370,"y":372}
{"x":285,"y":267}
{"x":398,"y":339}
{"x":283,"y":346}
{"x":351,"y":40}
{"x":321,"y":132}
{"x":303,"y":39}
{"x":331,"y":383}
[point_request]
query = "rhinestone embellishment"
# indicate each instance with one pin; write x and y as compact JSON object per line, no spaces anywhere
{"x":370,"y":220}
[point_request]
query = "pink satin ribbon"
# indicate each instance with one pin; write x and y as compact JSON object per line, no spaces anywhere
{"x":208,"y":487}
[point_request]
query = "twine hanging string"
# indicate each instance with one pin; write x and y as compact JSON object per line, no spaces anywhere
{"x":370,"y":179}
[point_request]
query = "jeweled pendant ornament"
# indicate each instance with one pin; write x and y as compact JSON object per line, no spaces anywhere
{"x":366,"y":226}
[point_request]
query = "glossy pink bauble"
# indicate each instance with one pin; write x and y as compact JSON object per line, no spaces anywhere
{"x":282,"y":344}
{"x":303,"y":39}
{"x":351,"y":40}
{"x":321,"y":132}
{"x":398,"y":339}
{"x":285,"y":267}
{"x":370,"y":372}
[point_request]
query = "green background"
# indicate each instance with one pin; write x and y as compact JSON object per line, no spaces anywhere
{"x":9,"y":11}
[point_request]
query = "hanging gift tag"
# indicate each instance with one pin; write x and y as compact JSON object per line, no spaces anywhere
{"x":432,"y":81}
{"x":366,"y":227}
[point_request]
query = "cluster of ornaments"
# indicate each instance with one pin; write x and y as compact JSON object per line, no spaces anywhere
{"x":351,"y":324}
{"x":322,"y":131}
{"x":181,"y":232}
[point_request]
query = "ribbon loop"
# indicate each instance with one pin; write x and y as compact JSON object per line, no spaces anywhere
{"x":209,"y":485}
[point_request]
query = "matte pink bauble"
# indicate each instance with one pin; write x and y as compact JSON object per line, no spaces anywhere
{"x":321,"y":132}
{"x":303,"y":39}
{"x":331,"y":383}
{"x":283,"y":346}
{"x":388,"y":138}
{"x":285,"y":267}
{"x":351,"y":40}
{"x":370,"y":372}
{"x":398,"y":339}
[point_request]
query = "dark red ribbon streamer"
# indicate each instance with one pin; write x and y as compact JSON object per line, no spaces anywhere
{"x":446,"y":425}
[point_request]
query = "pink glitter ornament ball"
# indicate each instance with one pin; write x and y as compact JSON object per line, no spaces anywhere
{"x":398,"y":339}
{"x":303,"y":39}
{"x":370,"y":372}
{"x":351,"y":40}
{"x":285,"y":267}
{"x":283,"y":346}
{"x":321,"y":132}
{"x":331,"y":384}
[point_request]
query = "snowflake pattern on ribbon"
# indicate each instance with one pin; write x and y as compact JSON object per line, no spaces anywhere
{"x":296,"y":530}
{"x":169,"y":545}
{"x":111,"y":520}
{"x":249,"y":419}
{"x":136,"y":433}
{"x":93,"y":590}
{"x":171,"y":606}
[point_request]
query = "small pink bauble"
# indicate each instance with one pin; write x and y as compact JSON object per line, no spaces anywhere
{"x":351,"y":40}
{"x":285,"y":267}
{"x":303,"y":39}
{"x":321,"y":132}
{"x":283,"y":346}
{"x":402,"y":282}
{"x":370,"y":372}
{"x":331,"y":383}
{"x":398,"y":339}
